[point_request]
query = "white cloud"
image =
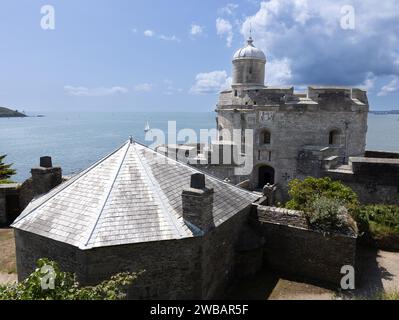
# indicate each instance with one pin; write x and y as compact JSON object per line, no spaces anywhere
{"x":94,"y":92}
{"x":278,"y":72}
{"x":170,"y":88}
{"x":391,"y":87}
{"x":309,"y":35}
{"x":224,"y":28}
{"x":196,"y":30}
{"x":211,"y":82}
{"x":149,"y":33}
{"x":229,"y":9}
{"x":143,"y":87}
{"x":172,"y":38}
{"x":369,"y":83}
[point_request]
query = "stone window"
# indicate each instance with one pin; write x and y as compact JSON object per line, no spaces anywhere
{"x":265,"y":137}
{"x":334,"y":137}
{"x":235,"y":93}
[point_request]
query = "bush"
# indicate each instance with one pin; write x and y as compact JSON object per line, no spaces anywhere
{"x":379,"y":220}
{"x":65,"y":286}
{"x":327,"y":204}
{"x":329,"y":215}
{"x":304,"y":193}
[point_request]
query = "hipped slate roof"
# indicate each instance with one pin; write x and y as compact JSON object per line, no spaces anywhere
{"x":132,"y":195}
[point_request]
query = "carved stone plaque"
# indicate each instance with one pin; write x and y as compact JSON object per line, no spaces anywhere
{"x":266,"y":116}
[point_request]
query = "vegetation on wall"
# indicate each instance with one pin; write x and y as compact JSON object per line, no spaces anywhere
{"x":380,"y":223}
{"x":325,"y":201}
{"x":6,"y":172}
{"x":63,"y":286}
{"x":327,"y":204}
{"x":304,"y":192}
{"x":330,"y":214}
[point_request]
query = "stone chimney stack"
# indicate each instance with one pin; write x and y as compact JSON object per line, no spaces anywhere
{"x":198,"y":204}
{"x":45,"y":177}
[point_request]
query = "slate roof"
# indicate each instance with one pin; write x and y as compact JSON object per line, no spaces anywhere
{"x":132,"y":195}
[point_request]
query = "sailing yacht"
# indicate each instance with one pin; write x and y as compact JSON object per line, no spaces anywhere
{"x":147,"y":127}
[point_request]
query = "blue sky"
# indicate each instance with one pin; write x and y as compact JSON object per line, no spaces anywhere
{"x":175,"y":55}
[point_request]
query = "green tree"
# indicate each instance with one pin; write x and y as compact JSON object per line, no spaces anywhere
{"x":6,"y":172}
{"x":63,"y":286}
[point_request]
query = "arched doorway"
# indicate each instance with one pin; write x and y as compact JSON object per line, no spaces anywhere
{"x":265,"y":176}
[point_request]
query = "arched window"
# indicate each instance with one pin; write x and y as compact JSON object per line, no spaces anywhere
{"x":265,"y":137}
{"x":334,"y":137}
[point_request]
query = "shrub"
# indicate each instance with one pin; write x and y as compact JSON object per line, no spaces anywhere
{"x":378,"y":220}
{"x":304,"y":193}
{"x":330,"y":214}
{"x":65,"y":286}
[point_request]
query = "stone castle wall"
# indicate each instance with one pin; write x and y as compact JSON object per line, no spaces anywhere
{"x":375,"y":180}
{"x":293,"y":249}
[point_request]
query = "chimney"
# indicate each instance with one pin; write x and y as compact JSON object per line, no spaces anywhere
{"x":198,"y":204}
{"x":45,"y":177}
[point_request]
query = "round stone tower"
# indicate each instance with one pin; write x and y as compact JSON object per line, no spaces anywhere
{"x":249,"y":66}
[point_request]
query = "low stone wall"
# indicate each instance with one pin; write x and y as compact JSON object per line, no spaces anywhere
{"x":375,"y":180}
{"x":291,"y":247}
{"x":231,"y":251}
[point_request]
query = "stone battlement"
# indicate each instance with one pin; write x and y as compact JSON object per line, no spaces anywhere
{"x":315,"y":99}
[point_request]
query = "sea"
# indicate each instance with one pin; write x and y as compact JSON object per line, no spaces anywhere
{"x":77,"y":140}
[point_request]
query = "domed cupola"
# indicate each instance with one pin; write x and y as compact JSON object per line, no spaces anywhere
{"x":249,"y":66}
{"x":250,"y":52}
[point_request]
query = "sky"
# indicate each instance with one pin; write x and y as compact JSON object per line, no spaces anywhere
{"x":175,"y":55}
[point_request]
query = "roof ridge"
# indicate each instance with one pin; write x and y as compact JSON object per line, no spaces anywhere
{"x":172,"y":219}
{"x":106,"y":198}
{"x":53,"y":193}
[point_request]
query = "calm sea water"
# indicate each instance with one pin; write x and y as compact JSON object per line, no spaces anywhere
{"x":79,"y":139}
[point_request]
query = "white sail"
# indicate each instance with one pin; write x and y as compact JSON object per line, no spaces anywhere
{"x":147,"y":127}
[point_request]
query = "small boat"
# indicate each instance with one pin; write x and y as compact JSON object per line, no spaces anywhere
{"x":147,"y":127}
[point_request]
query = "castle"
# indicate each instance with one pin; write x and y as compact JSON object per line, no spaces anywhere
{"x":294,"y":135}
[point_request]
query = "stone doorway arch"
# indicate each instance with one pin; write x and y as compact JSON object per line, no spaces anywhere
{"x":266,"y":174}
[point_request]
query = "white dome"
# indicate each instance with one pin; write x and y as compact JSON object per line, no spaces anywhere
{"x":250,"y":52}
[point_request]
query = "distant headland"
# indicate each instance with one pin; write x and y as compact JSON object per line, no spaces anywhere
{"x":8,"y":113}
{"x":385,"y":112}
